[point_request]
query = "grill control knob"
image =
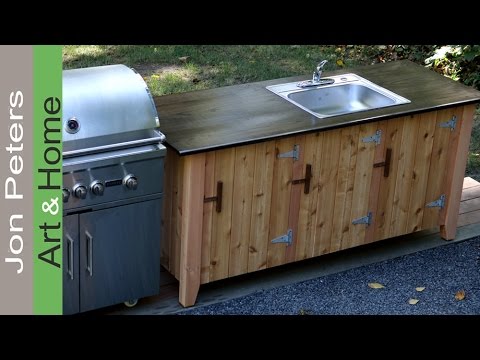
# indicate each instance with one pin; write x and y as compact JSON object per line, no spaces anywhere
{"x":130,"y":181}
{"x":66,"y":194}
{"x":80,"y":191}
{"x":97,"y":188}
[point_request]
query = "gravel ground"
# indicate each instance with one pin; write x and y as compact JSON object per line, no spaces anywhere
{"x":443,"y":271}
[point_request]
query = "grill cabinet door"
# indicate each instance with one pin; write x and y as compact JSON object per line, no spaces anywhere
{"x":71,"y":303}
{"x":119,"y":254}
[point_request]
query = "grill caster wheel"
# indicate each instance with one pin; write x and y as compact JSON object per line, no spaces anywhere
{"x":131,"y":303}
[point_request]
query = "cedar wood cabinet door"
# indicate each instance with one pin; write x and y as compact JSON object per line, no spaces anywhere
{"x":339,"y":189}
{"x":367,"y":182}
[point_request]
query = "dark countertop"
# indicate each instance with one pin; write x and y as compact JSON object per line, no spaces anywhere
{"x":242,"y":114}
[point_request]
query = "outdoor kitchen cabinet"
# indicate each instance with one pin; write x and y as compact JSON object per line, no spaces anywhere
{"x":271,"y":214}
{"x":253,"y":182}
{"x":108,"y":261}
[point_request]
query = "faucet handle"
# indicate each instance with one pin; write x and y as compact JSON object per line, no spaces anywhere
{"x":321,"y":64}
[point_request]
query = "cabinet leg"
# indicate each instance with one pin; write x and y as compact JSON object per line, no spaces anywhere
{"x":457,"y":160}
{"x":192,"y":222}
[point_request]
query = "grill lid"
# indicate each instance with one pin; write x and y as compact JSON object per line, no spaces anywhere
{"x":106,"y":106}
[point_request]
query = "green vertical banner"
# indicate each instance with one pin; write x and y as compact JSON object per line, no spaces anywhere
{"x":47,"y":180}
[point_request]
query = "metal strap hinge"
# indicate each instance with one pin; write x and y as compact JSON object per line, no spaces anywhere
{"x":374,"y":138}
{"x":363,"y":220}
{"x":287,"y":238}
{"x":291,"y":154}
{"x":440,"y":202}
{"x":450,"y":123}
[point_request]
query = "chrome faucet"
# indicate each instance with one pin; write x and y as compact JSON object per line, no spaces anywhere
{"x":316,"y":78}
{"x":317,"y":74}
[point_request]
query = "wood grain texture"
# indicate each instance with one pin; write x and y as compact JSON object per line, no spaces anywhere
{"x":377,"y":176}
{"x":405,"y":175}
{"x":222,"y":221}
{"x":361,"y":188}
{"x":471,"y":192}
{"x":248,"y":113}
{"x":177,"y":214}
{"x":456,"y":163}
{"x":385,"y":207}
{"x":308,"y":202}
{"x":281,"y":188}
{"x":469,"y":205}
{"x":341,"y":227}
{"x":192,"y":221}
{"x":438,"y":166}
{"x":262,"y":195}
{"x":241,"y":209}
{"x":298,"y":172}
{"x":468,"y":182}
{"x":468,"y":218}
{"x":330,"y":152}
{"x":423,"y":154}
{"x":208,"y":209}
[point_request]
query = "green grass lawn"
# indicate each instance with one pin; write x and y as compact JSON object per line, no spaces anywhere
{"x":169,"y":69}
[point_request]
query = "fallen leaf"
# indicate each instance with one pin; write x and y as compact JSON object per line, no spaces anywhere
{"x":375,"y":286}
{"x":420,"y":288}
{"x":413,"y":301}
{"x":183,"y":58}
{"x":460,"y":295}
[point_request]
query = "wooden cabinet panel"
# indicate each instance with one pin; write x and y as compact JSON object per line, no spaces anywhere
{"x":419,"y":177}
{"x":341,"y":230}
{"x":305,"y":235}
{"x":281,"y":188}
{"x":438,"y":166}
{"x":241,"y":209}
{"x":208,"y":209}
{"x":385,"y":202}
{"x":329,"y":155}
{"x":263,"y":198}
{"x":261,"y":201}
{"x":222,"y":221}
{"x":361,"y":186}
{"x":404,"y":180}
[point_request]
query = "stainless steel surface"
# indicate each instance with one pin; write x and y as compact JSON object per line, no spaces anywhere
{"x":130,"y":181}
{"x":317,"y":74}
{"x":114,"y":177}
{"x":120,"y":260}
{"x":120,"y":141}
{"x":89,"y":241}
{"x":316,"y":77}
{"x":113,"y":183}
{"x":71,"y":262}
{"x":114,"y":157}
{"x":102,"y":103}
{"x":71,"y":289}
{"x":348,"y":94}
{"x":79,"y":191}
{"x":65,"y":195}
{"x":97,"y":187}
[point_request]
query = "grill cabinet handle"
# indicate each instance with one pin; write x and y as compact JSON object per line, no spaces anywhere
{"x":89,"y":243}
{"x":70,"y":256}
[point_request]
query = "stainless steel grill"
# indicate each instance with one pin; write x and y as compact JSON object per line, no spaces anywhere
{"x":112,"y":188}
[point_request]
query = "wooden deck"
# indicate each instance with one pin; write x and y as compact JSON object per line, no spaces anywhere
{"x":167,"y":301}
{"x":470,"y":206}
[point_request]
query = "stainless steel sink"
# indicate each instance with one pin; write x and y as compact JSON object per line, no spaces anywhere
{"x":347,"y":94}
